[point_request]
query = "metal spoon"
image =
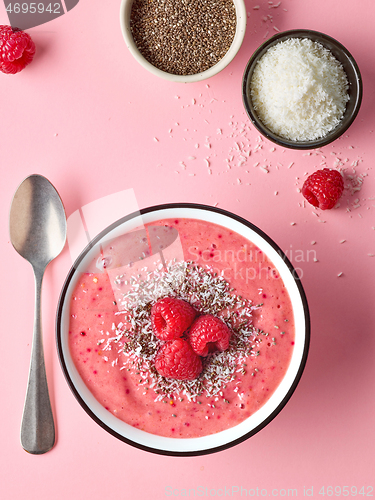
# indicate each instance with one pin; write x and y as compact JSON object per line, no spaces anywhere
{"x":37,"y":230}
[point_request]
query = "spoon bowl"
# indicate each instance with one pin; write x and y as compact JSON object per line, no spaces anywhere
{"x":37,"y":226}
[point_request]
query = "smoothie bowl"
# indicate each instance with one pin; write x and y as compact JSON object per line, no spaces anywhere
{"x":182,"y":329}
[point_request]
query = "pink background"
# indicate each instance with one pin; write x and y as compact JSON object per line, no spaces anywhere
{"x":85,"y":115}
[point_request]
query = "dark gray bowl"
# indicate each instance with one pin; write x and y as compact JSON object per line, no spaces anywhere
{"x":350,"y":67}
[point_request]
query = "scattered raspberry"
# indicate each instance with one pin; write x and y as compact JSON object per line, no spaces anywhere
{"x":323,"y":188}
{"x":176,"y":359}
{"x":171,"y":317}
{"x":16,"y":49}
{"x":209,"y":333}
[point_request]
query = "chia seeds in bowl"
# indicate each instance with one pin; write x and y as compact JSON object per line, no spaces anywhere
{"x":183,"y":41}
{"x":186,"y":37}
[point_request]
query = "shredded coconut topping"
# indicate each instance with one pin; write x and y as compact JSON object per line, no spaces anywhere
{"x":208,"y":293}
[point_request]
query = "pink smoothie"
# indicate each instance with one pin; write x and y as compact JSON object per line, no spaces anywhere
{"x":98,"y":315}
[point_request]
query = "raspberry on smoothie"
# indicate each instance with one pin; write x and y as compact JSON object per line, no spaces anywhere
{"x":177,"y":360}
{"x":171,"y":317}
{"x":209,"y":333}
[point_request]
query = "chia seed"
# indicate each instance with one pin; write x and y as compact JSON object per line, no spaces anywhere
{"x":183,"y":37}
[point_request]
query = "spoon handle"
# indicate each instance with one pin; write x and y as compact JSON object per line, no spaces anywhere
{"x":37,"y":428}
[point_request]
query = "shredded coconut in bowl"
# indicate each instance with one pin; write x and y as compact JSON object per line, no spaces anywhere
{"x":299,"y":90}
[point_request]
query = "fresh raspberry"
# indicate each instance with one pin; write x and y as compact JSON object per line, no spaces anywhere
{"x":16,"y":49}
{"x":176,"y":359}
{"x":323,"y":188}
{"x":171,"y":317}
{"x":209,"y":333}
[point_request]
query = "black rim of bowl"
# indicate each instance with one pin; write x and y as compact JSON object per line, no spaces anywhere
{"x":354,"y":79}
{"x":59,"y":332}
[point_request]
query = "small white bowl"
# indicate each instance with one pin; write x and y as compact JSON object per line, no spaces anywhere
{"x":125,"y":11}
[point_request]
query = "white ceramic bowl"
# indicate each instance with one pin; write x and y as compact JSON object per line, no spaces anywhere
{"x":125,"y":10}
{"x":223,"y":439}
